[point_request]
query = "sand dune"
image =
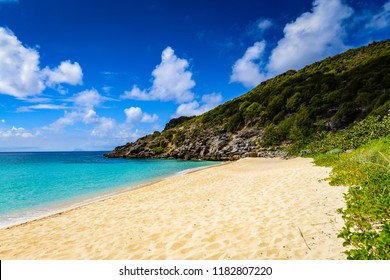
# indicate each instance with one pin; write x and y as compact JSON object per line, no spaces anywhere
{"x":250,"y":209}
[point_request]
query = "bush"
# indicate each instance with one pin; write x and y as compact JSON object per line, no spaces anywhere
{"x":366,"y":232}
{"x":159,"y":150}
{"x":373,"y":127}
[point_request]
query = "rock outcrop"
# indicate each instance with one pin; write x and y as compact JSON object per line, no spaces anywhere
{"x":177,"y":121}
{"x":206,"y":145}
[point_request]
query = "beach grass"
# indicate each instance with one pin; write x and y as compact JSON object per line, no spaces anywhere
{"x":366,"y":232}
{"x":365,"y":166}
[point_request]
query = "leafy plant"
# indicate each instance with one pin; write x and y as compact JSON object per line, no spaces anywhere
{"x":159,"y":150}
{"x":366,"y":232}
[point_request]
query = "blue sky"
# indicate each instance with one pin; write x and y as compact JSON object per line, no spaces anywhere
{"x":91,"y":75}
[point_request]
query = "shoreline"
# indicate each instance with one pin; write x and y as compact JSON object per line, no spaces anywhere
{"x":64,"y":206}
{"x":252,"y":208}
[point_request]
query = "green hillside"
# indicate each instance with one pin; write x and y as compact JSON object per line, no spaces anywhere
{"x":283,"y":113}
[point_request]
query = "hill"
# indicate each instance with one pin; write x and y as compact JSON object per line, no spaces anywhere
{"x":281,"y":115}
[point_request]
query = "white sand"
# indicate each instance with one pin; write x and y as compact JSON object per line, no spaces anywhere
{"x":250,"y":209}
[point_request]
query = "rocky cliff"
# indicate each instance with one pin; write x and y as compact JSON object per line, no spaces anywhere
{"x":209,"y":144}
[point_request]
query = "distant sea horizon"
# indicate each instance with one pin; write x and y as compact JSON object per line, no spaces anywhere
{"x":39,"y":183}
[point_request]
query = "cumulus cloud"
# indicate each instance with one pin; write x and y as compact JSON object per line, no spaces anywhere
{"x":88,"y":98}
{"x":20,"y":73}
{"x":82,"y":111}
{"x":382,"y":19}
{"x":83,"y":114}
{"x":135,"y":115}
{"x":89,"y":116}
{"x":66,"y":72}
{"x":137,"y":93}
{"x":194,"y":108}
{"x":146,"y":118}
{"x":171,"y":81}
{"x":15,"y":132}
{"x":19,"y":70}
{"x":312,"y":36}
{"x":246,"y":70}
{"x":103,"y":126}
{"x":68,"y":119}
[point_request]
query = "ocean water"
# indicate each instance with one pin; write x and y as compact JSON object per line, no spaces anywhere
{"x":36,"y":184}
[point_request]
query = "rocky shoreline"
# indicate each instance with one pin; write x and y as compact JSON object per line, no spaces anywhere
{"x":206,"y":145}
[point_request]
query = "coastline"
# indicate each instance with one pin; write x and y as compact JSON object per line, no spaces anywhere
{"x":249,"y":209}
{"x":57,"y":208}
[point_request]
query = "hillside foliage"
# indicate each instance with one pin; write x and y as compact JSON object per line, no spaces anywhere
{"x":326,"y":96}
{"x":366,"y":169}
{"x":290,"y":110}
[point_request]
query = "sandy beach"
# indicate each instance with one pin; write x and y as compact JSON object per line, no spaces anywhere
{"x":249,"y":209}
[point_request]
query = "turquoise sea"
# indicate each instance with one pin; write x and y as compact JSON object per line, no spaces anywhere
{"x":38,"y":183}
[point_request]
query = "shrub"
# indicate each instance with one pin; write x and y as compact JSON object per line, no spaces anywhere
{"x":366,"y":232}
{"x":373,"y":127}
{"x":159,"y":150}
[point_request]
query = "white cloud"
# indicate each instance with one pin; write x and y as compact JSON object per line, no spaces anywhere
{"x":88,"y":98}
{"x":69,"y":118}
{"x":82,"y":111}
{"x":135,"y":115}
{"x":37,"y":99}
{"x":19,"y":132}
{"x":312,"y":36}
{"x":66,"y":72}
{"x":246,"y":70}
{"x":171,"y":81}
{"x":19,"y":67}
{"x":84,"y":116}
{"x":382,"y":19}
{"x":208,"y":102}
{"x":89,"y":116}
{"x":146,"y":118}
{"x":2,"y":121}
{"x":20,"y":73}
{"x":103,"y":127}
{"x":136,"y":93}
{"x":32,"y":108}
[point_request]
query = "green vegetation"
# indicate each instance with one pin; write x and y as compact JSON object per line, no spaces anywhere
{"x":158,"y":150}
{"x":366,"y":232}
{"x":296,"y":108}
{"x":327,"y":95}
{"x":373,"y":127}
